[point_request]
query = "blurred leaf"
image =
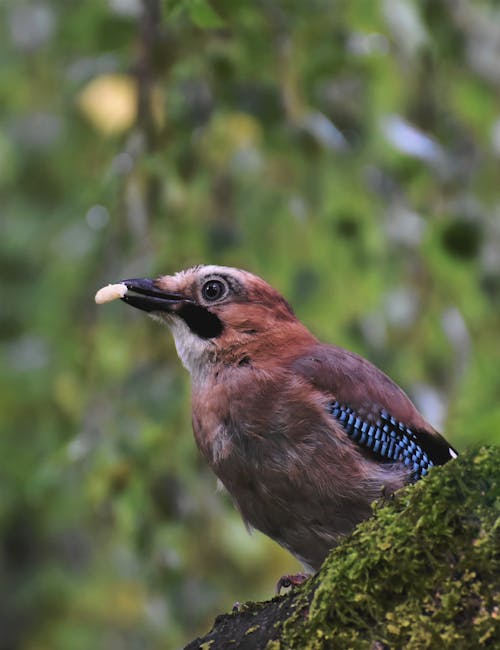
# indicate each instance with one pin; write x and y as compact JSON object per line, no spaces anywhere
{"x":203,"y":15}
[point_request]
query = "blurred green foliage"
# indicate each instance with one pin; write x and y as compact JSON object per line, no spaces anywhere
{"x":347,"y":151}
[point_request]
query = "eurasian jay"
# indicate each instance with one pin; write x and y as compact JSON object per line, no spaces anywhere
{"x":304,"y":435}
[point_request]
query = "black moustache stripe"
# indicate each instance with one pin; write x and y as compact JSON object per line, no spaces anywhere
{"x":201,"y":321}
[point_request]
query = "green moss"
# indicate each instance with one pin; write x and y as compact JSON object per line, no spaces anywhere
{"x":423,"y":572}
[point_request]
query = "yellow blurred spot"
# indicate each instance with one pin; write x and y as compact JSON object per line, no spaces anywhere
{"x":242,"y":129}
{"x":229,"y":134}
{"x":68,"y":394}
{"x":109,"y":102}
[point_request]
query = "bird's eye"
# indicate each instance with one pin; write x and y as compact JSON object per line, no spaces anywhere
{"x":213,"y":290}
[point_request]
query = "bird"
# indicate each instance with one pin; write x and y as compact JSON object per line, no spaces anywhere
{"x":304,"y":435}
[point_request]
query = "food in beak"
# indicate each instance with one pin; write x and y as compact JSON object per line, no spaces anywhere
{"x":110,"y":292}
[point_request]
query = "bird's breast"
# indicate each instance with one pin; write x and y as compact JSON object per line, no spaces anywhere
{"x":211,"y":425}
{"x":248,"y":421}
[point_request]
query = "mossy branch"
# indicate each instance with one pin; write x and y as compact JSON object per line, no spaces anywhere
{"x":423,"y":572}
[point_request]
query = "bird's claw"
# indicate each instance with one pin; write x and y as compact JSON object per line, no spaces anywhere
{"x":291,"y":580}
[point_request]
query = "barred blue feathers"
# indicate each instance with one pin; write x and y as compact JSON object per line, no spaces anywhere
{"x":389,"y":439}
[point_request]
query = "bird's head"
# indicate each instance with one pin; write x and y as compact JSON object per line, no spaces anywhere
{"x":215,"y":313}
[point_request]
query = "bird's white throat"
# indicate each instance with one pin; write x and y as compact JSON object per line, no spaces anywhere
{"x":194,"y":352}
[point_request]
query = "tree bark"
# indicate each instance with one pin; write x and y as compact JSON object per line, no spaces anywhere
{"x":423,"y":572}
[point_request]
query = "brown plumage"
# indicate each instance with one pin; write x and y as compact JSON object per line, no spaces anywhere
{"x":303,"y":435}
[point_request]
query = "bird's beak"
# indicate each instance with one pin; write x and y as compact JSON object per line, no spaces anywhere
{"x":144,"y":294}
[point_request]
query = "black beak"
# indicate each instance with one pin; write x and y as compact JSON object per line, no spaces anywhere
{"x":144,"y":294}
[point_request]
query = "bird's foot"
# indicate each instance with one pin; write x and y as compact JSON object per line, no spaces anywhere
{"x":385,"y":498}
{"x":291,"y":580}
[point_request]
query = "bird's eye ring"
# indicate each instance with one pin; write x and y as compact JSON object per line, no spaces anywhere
{"x":213,"y":290}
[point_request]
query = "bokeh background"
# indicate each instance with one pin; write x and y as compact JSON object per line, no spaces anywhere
{"x":346,"y":150}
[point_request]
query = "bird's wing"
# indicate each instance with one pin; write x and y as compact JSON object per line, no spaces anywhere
{"x":372,"y":410}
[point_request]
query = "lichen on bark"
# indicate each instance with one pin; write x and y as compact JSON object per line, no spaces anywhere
{"x":423,"y":572}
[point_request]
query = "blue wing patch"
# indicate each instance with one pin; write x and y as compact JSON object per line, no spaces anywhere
{"x":386,"y":437}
